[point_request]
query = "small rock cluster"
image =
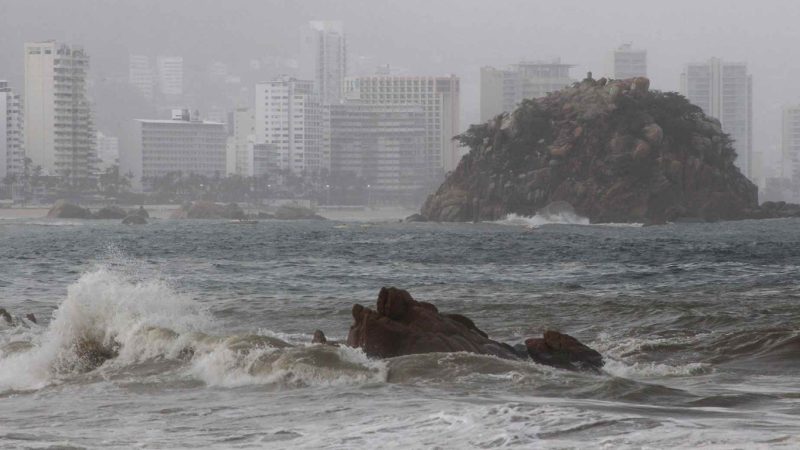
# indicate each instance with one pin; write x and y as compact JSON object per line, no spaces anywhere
{"x":65,"y":210}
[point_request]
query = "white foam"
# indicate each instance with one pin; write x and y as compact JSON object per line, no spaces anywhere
{"x":314,"y":365}
{"x":104,"y":307}
{"x":562,"y":218}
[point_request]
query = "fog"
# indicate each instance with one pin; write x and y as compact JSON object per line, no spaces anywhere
{"x":431,"y":37}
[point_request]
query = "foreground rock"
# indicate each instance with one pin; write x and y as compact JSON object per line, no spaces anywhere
{"x":64,"y":210}
{"x":209,"y":210}
{"x":614,"y":150}
{"x":404,"y":326}
{"x":401,"y":326}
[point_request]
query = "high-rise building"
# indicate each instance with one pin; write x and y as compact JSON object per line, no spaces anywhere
{"x":12,"y":150}
{"x":107,"y":151}
{"x":289,"y":116}
{"x":382,"y":145}
{"x":141,"y":75}
{"x":59,"y":129}
{"x":628,"y":62}
{"x":724,"y":90}
{"x":324,"y":58}
{"x":170,"y":75}
{"x":183,"y":144}
{"x":503,"y":89}
{"x":243,"y":141}
{"x":439,"y":98}
{"x":790,"y":142}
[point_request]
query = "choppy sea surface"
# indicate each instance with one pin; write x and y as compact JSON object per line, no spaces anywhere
{"x":699,"y":325}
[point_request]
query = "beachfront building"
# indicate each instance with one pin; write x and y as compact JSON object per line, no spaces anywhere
{"x":628,"y":62}
{"x":12,"y":149}
{"x":59,"y":128}
{"x":503,"y":89}
{"x":324,"y":58}
{"x":439,"y":99}
{"x":289,"y":117}
{"x":724,"y":90}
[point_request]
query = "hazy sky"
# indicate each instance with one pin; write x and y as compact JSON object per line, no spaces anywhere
{"x":435,"y":37}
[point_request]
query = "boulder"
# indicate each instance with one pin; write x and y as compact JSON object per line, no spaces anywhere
{"x":401,"y":325}
{"x":110,"y":212}
{"x":5,"y":316}
{"x":563,"y":351}
{"x":134,"y":219}
{"x":64,"y":210}
{"x":209,"y":210}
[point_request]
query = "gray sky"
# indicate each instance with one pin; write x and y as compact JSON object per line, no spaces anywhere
{"x":434,"y":37}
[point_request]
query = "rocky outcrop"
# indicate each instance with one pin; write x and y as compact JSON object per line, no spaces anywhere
{"x":401,"y":326}
{"x":294,"y":212}
{"x":64,"y":210}
{"x":416,"y":218}
{"x":404,"y":326}
{"x":209,"y":210}
{"x":110,"y":212}
{"x":136,"y":217}
{"x":615,"y":150}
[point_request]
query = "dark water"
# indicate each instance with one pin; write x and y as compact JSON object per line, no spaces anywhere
{"x":699,"y":324}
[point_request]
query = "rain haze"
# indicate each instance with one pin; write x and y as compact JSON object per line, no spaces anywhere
{"x":399,"y":224}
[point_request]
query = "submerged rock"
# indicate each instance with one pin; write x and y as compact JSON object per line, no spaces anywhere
{"x":563,"y":351}
{"x":416,"y":218}
{"x":616,"y":151}
{"x":5,"y":316}
{"x":64,"y":210}
{"x":134,"y":219}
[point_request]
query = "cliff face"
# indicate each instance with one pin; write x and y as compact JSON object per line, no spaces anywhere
{"x":614,"y":150}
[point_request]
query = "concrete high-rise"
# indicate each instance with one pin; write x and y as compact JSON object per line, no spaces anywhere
{"x":628,"y":62}
{"x":324,"y":58}
{"x":790,"y":143}
{"x":503,"y":89}
{"x":439,"y":98}
{"x":170,"y":75}
{"x":289,"y":116}
{"x":141,"y":75}
{"x":107,"y":151}
{"x":59,"y":129}
{"x":724,"y":90}
{"x":12,"y":149}
{"x":182,"y":144}
{"x":382,"y":145}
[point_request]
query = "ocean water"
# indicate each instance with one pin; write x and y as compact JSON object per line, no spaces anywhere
{"x":699,"y":325}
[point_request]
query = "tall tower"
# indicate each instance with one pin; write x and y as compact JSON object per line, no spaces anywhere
{"x":170,"y":75}
{"x":628,"y":62}
{"x":141,"y":75}
{"x":503,"y":89}
{"x":325,"y":58}
{"x":59,"y":129}
{"x":288,"y":116}
{"x":724,"y":90}
{"x":12,"y":151}
{"x":790,"y":142}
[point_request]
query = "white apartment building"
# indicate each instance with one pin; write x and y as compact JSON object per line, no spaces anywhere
{"x":107,"y":151}
{"x":724,"y":90}
{"x":790,"y":142}
{"x":59,"y":129}
{"x":289,"y":116}
{"x":183,"y":144}
{"x":170,"y":75}
{"x":503,"y":89}
{"x":243,"y":141}
{"x":439,"y":98}
{"x":627,"y":62}
{"x":324,"y":59}
{"x":141,"y":75}
{"x":12,"y":150}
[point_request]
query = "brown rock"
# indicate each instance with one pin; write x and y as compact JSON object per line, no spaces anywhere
{"x":63,"y":210}
{"x":404,"y":326}
{"x":563,"y":351}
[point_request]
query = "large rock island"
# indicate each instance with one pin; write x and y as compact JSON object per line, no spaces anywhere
{"x":615,"y":150}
